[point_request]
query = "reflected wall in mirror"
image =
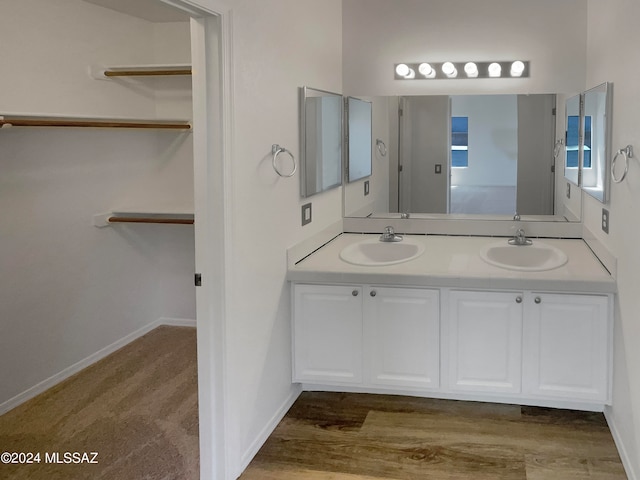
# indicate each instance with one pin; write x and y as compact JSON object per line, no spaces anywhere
{"x":320,"y":140}
{"x":359,"y":138}
{"x":597,"y":142}
{"x":462,"y":155}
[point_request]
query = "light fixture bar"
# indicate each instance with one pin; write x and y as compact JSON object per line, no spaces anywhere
{"x":461,"y":70}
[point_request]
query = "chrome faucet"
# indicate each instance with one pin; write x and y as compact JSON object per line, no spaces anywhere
{"x":404,"y":215}
{"x":389,"y":235}
{"x":520,"y":238}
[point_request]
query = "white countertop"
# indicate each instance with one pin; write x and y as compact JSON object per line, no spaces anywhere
{"x":451,"y":261}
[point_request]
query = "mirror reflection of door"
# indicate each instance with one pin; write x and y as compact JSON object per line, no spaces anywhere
{"x":494,"y":154}
{"x":424,"y":143}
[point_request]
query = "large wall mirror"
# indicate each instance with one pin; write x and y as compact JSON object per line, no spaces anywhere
{"x":320,"y":140}
{"x":460,"y":156}
{"x":588,"y":143}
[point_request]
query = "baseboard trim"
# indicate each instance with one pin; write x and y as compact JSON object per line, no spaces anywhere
{"x":622,"y":451}
{"x":267,"y":430}
{"x":53,"y":380}
{"x":177,"y":322}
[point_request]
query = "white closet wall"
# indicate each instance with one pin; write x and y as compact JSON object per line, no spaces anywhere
{"x":69,"y":289}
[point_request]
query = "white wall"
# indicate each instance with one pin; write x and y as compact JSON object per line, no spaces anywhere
{"x":69,"y":289}
{"x":278,"y":46}
{"x":612,"y":42}
{"x":379,"y":33}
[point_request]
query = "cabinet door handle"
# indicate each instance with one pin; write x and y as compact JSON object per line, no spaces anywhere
{"x":518,"y":299}
{"x":538,"y":300}
{"x":373,"y":293}
{"x":355,"y":293}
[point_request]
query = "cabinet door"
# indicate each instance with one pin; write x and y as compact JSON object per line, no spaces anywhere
{"x":485,"y":338}
{"x":327,"y":333}
{"x":402,"y":342}
{"x":567,"y":348}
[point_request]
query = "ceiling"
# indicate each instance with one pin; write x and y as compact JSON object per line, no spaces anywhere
{"x":151,"y":10}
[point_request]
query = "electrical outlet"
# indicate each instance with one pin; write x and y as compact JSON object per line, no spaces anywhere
{"x":605,"y":220}
{"x":306,"y":214}
{"x":438,"y":169}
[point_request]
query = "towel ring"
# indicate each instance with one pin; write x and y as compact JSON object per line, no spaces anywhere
{"x":627,"y":153}
{"x":277,"y":150}
{"x":558,"y":148}
{"x":382,"y":148}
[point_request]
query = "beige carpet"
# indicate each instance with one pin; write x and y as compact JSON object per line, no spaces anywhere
{"x":137,"y":408}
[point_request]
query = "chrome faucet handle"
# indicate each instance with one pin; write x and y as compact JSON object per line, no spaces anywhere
{"x":389,"y":235}
{"x":516,"y":217}
{"x":520,"y":238}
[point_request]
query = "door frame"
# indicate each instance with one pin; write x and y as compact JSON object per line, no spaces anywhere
{"x":212,"y":99}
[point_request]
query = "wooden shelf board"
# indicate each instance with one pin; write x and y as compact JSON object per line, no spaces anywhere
{"x":154,"y":70}
{"x":45,"y":120}
{"x":171,"y":216}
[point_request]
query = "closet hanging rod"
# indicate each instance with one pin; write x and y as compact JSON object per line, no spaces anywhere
{"x":146,"y":73}
{"x":59,"y":122}
{"x":175,"y":221}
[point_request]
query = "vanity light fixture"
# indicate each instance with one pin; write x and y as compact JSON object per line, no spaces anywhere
{"x":471,"y":69}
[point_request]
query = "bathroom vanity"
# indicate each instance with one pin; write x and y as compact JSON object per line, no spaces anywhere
{"x":449,"y":324}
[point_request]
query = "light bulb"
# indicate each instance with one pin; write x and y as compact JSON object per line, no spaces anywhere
{"x":411,"y":74}
{"x":449,"y":69}
{"x":517,"y":68}
{"x":402,"y":69}
{"x":471,"y":69}
{"x":495,"y":69}
{"x":426,"y":70}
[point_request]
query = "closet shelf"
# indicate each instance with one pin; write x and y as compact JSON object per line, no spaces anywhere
{"x":170,"y":216}
{"x":42,"y":120}
{"x":158,"y":70}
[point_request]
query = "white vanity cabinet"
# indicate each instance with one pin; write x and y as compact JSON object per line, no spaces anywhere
{"x":539,"y":345}
{"x":484,"y":331}
{"x":522,"y":346}
{"x":567,"y":346}
{"x":327,"y":334}
{"x":376,"y":336}
{"x":402,"y":337}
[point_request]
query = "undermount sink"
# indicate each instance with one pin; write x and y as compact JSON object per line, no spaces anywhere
{"x":373,"y":252}
{"x":537,"y":257}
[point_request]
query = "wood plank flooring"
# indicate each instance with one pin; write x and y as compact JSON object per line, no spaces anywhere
{"x":335,"y":436}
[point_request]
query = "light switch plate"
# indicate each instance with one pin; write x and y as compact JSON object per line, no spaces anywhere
{"x":366,"y":188}
{"x":568,"y":190}
{"x":306,"y":214}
